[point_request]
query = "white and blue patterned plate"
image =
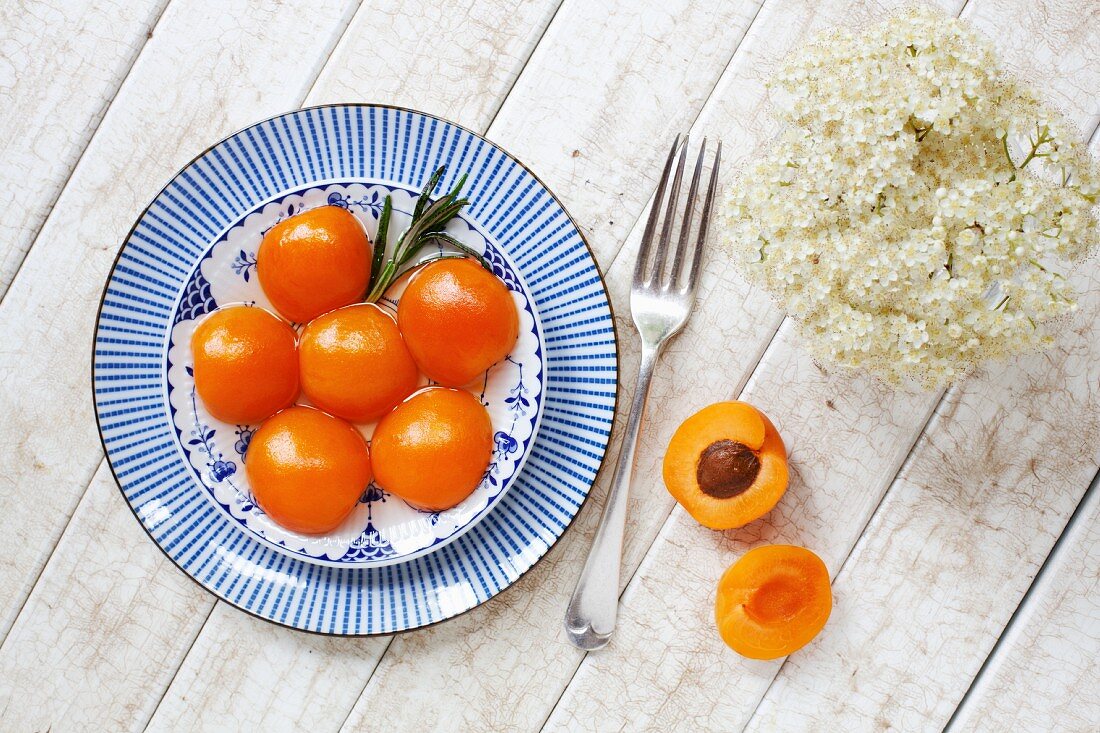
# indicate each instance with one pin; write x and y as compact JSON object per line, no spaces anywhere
{"x":390,"y":568}
{"x":382,"y":529}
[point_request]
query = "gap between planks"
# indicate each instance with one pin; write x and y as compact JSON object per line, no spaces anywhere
{"x":1032,"y":596}
{"x":1034,"y":591}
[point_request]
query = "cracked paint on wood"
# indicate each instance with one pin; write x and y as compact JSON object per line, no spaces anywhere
{"x":1046,"y":668}
{"x":61,"y":62}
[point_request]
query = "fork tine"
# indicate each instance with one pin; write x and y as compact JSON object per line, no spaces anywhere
{"x":689,"y":211}
{"x":670,"y":217}
{"x":651,"y":224}
{"x":697,"y":257}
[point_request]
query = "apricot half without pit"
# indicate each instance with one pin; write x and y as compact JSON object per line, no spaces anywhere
{"x":726,"y":465}
{"x":773,"y":601}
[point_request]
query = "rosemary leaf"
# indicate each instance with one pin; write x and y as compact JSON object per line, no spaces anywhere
{"x":425,"y":194}
{"x":468,"y":252}
{"x":380,"y":242}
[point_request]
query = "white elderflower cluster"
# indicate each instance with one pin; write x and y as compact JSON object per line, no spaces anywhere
{"x":919,"y":212}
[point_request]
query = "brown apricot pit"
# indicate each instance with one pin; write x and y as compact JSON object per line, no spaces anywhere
{"x":726,"y":465}
{"x":726,"y":468}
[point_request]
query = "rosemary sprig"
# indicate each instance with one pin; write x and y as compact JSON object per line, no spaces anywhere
{"x":428,"y":220}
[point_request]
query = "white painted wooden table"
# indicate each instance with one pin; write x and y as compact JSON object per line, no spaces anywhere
{"x":935,"y":513}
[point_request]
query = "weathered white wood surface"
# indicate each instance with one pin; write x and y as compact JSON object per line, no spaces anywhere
{"x":104,"y":583}
{"x":61,"y":62}
{"x":1045,"y":666}
{"x":588,"y":94}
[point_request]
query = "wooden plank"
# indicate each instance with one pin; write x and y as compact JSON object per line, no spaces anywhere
{"x":667,"y":663}
{"x":252,"y":675}
{"x":61,"y":63}
{"x":458,"y":63}
{"x":515,"y":646}
{"x":50,"y":436}
{"x":78,"y":657}
{"x":163,"y":638}
{"x":1045,"y":669}
{"x":531,"y":97}
{"x":603,"y":95}
{"x":51,"y":445}
{"x":959,"y":537}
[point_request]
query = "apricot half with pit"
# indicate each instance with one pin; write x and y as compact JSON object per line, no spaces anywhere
{"x":726,"y":465}
{"x":773,"y":601}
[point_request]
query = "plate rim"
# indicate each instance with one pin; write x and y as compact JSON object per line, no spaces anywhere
{"x":145,"y":210}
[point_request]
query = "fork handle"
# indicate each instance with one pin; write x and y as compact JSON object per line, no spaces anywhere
{"x":590,"y":616}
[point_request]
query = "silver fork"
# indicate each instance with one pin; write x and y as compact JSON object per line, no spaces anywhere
{"x":661,"y":300}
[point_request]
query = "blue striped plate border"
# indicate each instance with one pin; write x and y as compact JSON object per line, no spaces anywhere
{"x":353,"y":143}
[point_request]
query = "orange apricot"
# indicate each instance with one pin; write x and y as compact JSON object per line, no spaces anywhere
{"x":458,"y":320}
{"x":245,"y":364}
{"x":307,"y":469}
{"x":726,"y":465}
{"x":773,"y":601}
{"x":354,"y":363}
{"x":434,"y":448}
{"x":313,"y":262}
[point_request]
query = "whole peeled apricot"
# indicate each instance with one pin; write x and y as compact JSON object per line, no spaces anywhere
{"x":314,"y":262}
{"x":307,"y":469}
{"x":773,"y":601}
{"x":245,"y":364}
{"x":726,"y":465}
{"x":434,"y":448}
{"x":354,"y":363}
{"x":458,"y":320}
